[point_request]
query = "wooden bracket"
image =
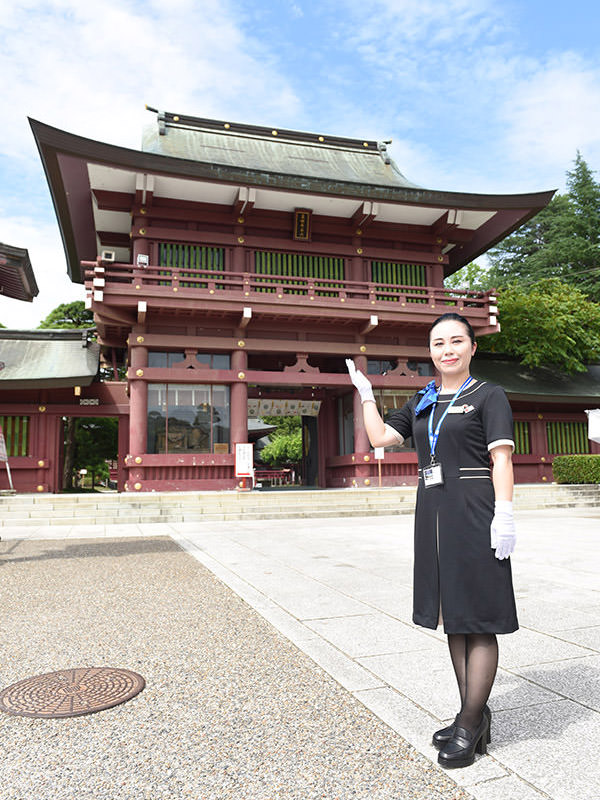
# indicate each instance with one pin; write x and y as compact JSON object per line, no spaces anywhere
{"x":372,"y":323}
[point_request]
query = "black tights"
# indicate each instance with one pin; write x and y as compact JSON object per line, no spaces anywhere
{"x":475,"y":661}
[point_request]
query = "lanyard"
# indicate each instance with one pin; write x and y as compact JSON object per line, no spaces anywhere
{"x":434,"y":435}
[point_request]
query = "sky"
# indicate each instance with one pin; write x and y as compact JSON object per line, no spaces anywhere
{"x":476,"y":95}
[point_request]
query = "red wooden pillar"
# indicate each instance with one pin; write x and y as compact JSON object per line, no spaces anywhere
{"x":138,"y":414}
{"x":239,"y":399}
{"x":141,"y":246}
{"x":356,"y":268}
{"x":40,"y":445}
{"x":238,"y":259}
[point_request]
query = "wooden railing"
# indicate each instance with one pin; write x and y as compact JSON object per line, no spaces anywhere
{"x":269,"y":288}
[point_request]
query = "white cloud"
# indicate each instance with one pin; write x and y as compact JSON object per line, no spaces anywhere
{"x":90,"y":67}
{"x":461,"y":98}
{"x":554,"y":112}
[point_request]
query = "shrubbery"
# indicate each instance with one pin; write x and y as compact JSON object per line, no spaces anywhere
{"x":576,"y":469}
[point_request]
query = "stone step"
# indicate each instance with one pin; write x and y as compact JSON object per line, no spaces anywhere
{"x":85,"y":509}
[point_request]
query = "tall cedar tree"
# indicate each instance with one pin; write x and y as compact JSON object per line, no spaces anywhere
{"x":562,"y":241}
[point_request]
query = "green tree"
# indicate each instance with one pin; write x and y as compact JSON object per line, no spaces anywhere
{"x":96,"y":442}
{"x":472,"y":276}
{"x":285,"y":445}
{"x":548,"y":323}
{"x":69,"y":315}
{"x":562,"y":241}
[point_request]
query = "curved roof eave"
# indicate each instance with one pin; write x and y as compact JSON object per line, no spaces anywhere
{"x":52,"y":141}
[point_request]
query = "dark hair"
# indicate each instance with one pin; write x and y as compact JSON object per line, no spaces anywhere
{"x":458,"y":318}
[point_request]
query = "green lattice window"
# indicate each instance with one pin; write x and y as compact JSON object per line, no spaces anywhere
{"x":297,"y":265}
{"x":399,"y":276}
{"x":522,"y":441}
{"x":567,"y":437}
{"x":191,"y":259}
{"x":16,"y":435}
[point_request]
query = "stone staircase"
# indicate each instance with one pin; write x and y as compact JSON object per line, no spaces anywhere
{"x":119,"y":509}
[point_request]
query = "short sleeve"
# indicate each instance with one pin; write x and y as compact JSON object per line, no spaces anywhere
{"x":401,"y":419}
{"x":497,"y":419}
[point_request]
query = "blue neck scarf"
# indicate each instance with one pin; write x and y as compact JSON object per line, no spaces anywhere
{"x":429,"y":397}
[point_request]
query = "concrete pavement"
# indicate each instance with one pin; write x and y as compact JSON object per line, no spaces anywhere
{"x":340,"y":590}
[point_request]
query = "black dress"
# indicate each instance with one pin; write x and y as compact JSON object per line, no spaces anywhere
{"x":455,"y":567}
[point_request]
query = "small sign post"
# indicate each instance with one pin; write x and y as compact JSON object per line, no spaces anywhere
{"x":379,"y":453}
{"x":244,"y":464}
{"x":4,"y":457}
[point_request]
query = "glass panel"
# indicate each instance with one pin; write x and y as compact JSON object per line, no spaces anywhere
{"x":221,"y":361}
{"x":377,"y":367}
{"x":186,"y":418}
{"x":214,"y":360}
{"x":157,"y":358}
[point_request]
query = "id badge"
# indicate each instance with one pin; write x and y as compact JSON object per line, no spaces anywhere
{"x":432,"y":475}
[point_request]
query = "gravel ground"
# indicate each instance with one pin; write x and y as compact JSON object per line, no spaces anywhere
{"x":231,"y":709}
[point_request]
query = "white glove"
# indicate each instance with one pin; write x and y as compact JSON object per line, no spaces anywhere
{"x":362,"y":384}
{"x":502,"y":530}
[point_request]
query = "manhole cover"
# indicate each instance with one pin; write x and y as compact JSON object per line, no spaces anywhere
{"x":71,"y":692}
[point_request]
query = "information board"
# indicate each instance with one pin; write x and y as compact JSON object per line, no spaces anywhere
{"x":244,"y":460}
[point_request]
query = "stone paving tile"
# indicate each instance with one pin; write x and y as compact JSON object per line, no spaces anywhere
{"x":585,"y":637}
{"x":553,"y":747}
{"x":427,"y":678}
{"x":508,"y":788}
{"x":546,"y":616}
{"x":371,"y":634}
{"x":578,"y":679}
{"x":346,"y":672}
{"x":526,"y":647}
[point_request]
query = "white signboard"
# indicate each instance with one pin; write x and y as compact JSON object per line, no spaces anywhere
{"x":594,"y":424}
{"x":3,"y":453}
{"x":244,"y":460}
{"x":379,"y":452}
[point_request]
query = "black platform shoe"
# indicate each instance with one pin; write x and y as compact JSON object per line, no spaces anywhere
{"x":461,"y":748}
{"x":444,"y":735}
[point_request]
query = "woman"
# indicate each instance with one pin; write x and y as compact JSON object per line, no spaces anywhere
{"x":464,"y":527}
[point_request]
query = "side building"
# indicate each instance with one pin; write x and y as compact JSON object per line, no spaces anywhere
{"x":231,"y":268}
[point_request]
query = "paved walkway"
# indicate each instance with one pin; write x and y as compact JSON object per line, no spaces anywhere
{"x":340,"y":590}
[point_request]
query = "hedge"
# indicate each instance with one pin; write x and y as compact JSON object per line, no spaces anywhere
{"x":576,"y":469}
